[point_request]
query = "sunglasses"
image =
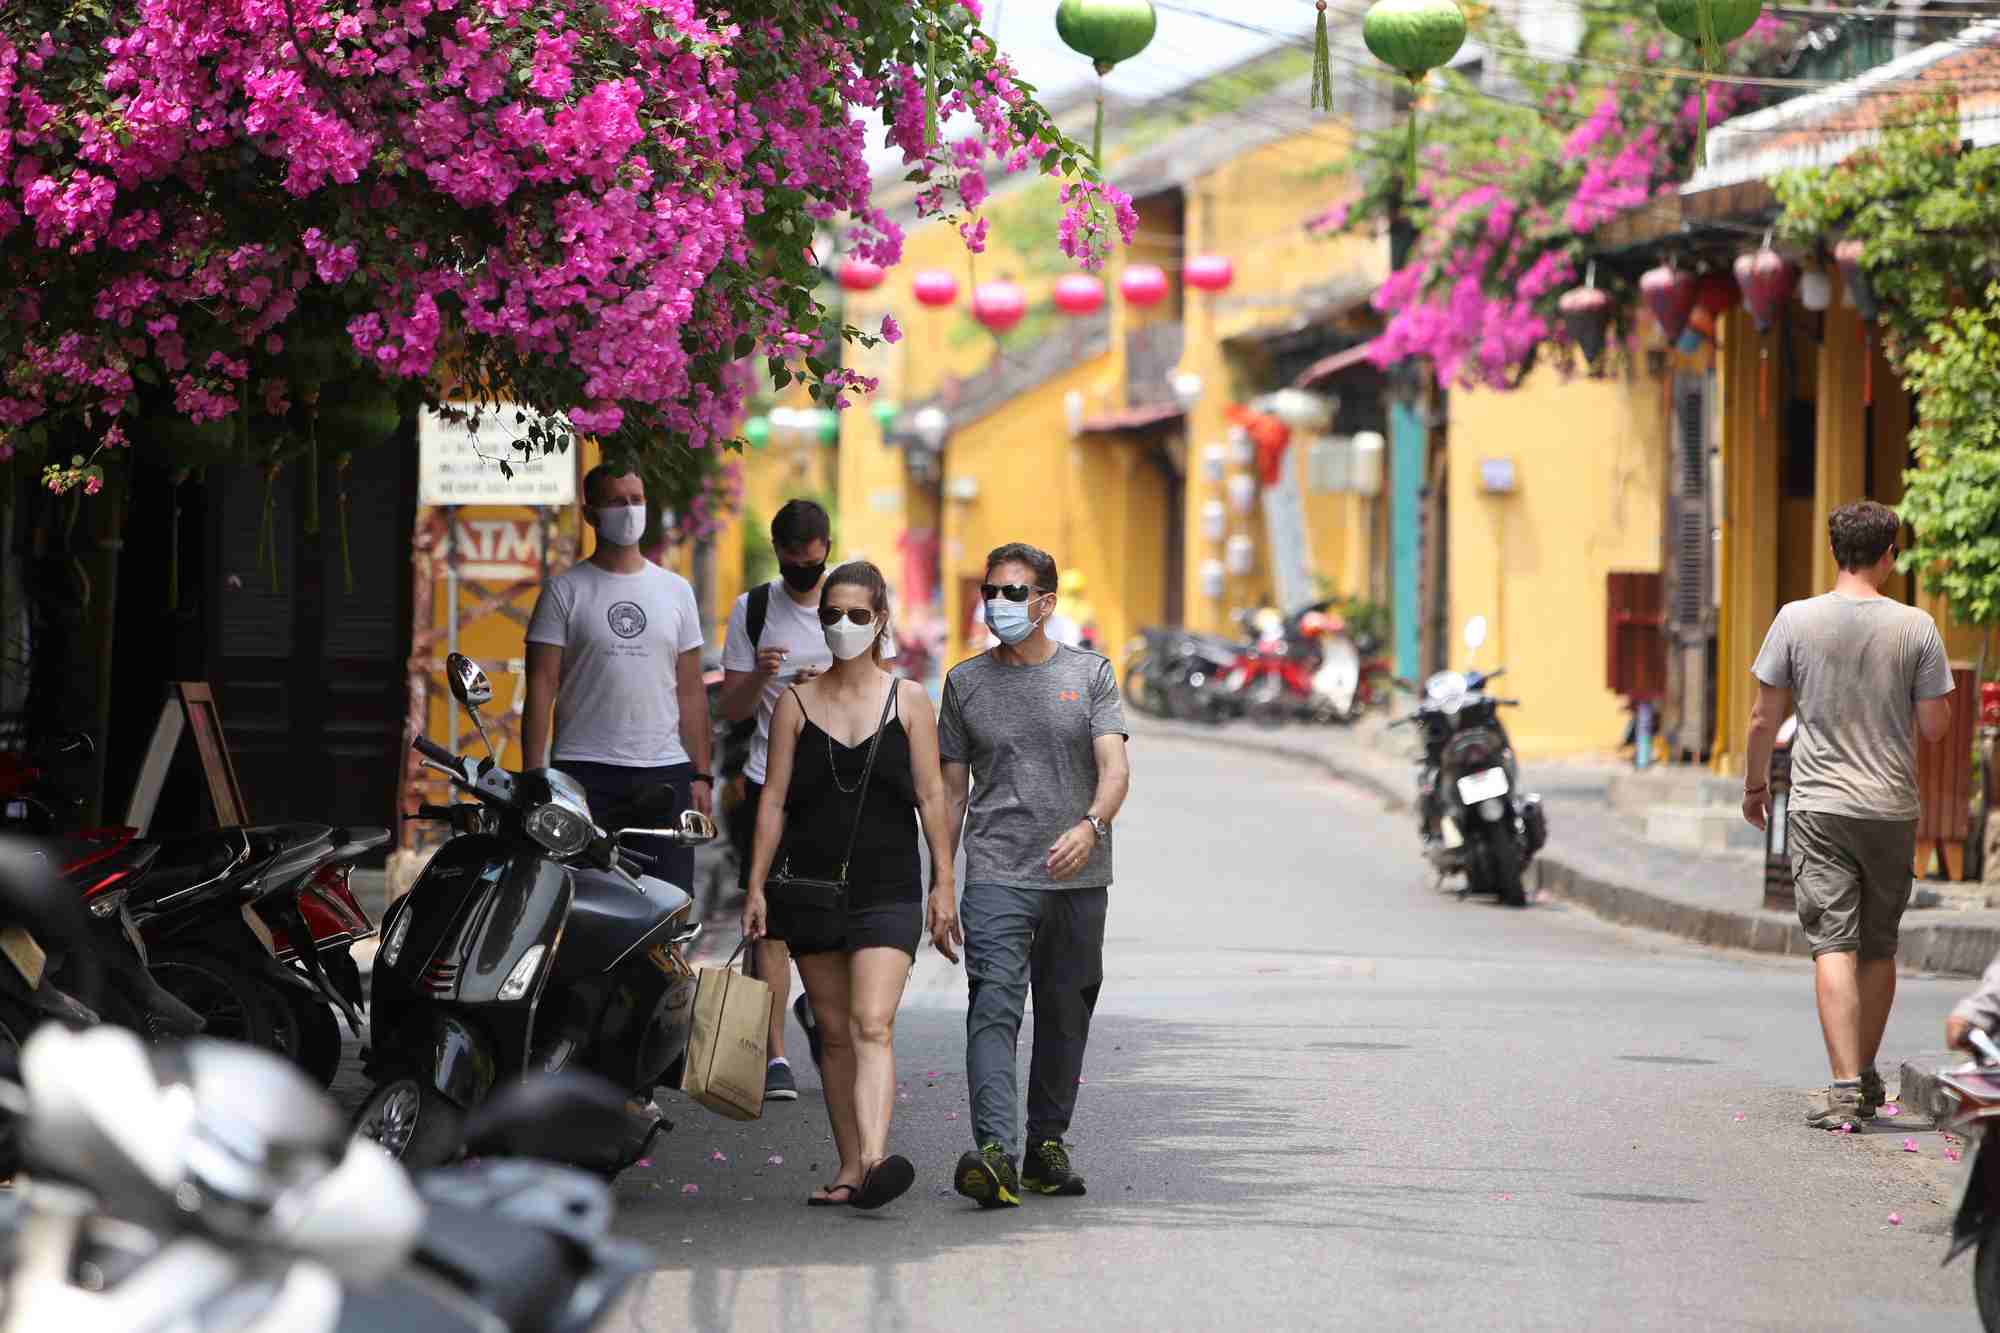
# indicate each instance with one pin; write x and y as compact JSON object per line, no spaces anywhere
{"x":1013,"y":592}
{"x":860,"y":615}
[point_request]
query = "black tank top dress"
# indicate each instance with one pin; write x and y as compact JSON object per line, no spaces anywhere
{"x":885,"y":896}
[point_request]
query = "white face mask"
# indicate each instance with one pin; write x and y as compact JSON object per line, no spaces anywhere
{"x":620,"y":525}
{"x":849,"y":640}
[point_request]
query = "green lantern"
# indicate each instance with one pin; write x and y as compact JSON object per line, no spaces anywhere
{"x":1108,"y":31}
{"x":827,"y":424}
{"x":757,"y":432}
{"x":1413,"y":37}
{"x":885,"y":415}
{"x":1710,"y":25}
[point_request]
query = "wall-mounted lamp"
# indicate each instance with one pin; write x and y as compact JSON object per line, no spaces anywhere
{"x":962,"y":489}
{"x":931,"y":426}
{"x":1186,"y":387}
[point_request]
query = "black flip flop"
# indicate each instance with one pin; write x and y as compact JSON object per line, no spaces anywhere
{"x":817,"y":1201}
{"x":887,"y":1180}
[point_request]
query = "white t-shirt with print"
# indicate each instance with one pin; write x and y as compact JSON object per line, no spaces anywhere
{"x":621,"y":637}
{"x":789,"y":626}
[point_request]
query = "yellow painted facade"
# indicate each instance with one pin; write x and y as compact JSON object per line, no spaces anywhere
{"x":1589,"y":459}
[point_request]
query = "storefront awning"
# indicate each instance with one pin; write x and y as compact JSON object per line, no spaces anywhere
{"x":1131,"y":418}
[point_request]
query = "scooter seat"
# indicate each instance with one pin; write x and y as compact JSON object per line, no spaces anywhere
{"x":522,"y":1275}
{"x":358,"y":841}
{"x":183,"y":863}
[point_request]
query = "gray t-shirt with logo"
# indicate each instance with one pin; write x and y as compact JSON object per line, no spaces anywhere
{"x":1027,"y":732}
{"x":1856,"y":667}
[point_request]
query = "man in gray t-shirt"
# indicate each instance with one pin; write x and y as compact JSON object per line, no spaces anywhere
{"x":1866,"y":673}
{"x":1035,"y":727}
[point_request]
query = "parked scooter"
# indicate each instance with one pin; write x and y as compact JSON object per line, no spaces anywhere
{"x":1475,"y":817}
{"x":1976,"y":1221}
{"x":533,"y":941}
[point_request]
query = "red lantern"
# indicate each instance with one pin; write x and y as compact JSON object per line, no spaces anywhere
{"x":1143,"y":285}
{"x":1716,"y":293}
{"x":1670,"y":294}
{"x":1586,"y":314}
{"x":1077,"y":294}
{"x":1766,"y":278}
{"x":934,"y":288}
{"x":998,"y":305}
{"x":1209,"y":273}
{"x":860,"y":275}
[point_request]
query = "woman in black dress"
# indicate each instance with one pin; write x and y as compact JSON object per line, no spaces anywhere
{"x":855,"y":961}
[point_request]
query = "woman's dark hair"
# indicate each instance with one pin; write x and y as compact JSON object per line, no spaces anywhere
{"x":863,"y":574}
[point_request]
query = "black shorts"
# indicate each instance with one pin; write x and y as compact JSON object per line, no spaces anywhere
{"x":898,"y":924}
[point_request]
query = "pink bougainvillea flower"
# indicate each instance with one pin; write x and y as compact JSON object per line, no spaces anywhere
{"x":1895,"y":1219}
{"x":690,"y":1188}
{"x":1890,"y":1108}
{"x":775,"y":1159}
{"x":1909,"y":1145}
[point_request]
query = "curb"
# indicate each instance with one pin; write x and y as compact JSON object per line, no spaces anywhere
{"x":1941,"y":948}
{"x":1919,"y":1090}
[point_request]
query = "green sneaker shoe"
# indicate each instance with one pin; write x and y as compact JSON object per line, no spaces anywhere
{"x":987,"y":1178}
{"x":1873,"y":1093}
{"x":1045,"y":1169}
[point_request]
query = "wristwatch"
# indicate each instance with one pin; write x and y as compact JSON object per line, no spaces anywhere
{"x":1098,"y":826}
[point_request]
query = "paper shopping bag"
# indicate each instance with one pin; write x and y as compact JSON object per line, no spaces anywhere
{"x":725,"y":1056}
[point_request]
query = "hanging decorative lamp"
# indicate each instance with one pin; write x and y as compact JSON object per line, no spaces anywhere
{"x":1078,"y":294}
{"x":1586,"y":314}
{"x":859,"y":275}
{"x":1143,"y":285}
{"x":1716,"y":293}
{"x":1108,"y":31}
{"x":1209,"y":273}
{"x":757,"y":432}
{"x":1815,"y":290}
{"x":998,"y":305}
{"x":1710,"y":25}
{"x":1670,"y":294}
{"x":1766,"y":279}
{"x":934,"y":288}
{"x":1861,"y":291}
{"x":1412,"y":37}
{"x":885,"y":414}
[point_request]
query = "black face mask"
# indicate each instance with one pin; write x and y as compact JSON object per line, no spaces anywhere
{"x":802,"y":578}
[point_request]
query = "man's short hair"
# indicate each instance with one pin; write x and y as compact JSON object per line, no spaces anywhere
{"x":1034,"y":557}
{"x":1862,"y":533}
{"x":800,"y":523}
{"x":600,"y":474}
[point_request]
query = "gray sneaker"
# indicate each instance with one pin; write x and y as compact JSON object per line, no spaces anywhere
{"x":1838,"y":1107}
{"x":1873,"y":1093}
{"x":779,"y":1085}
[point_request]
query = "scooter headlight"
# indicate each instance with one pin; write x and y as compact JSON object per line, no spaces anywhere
{"x":392,"y":948}
{"x":523,"y":976}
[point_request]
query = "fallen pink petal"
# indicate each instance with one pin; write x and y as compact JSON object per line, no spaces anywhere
{"x":951,"y":1115}
{"x":1895,"y":1219}
{"x":1951,"y":1154}
{"x":1740,"y":1115}
{"x":1890,"y":1108}
{"x":1909,"y":1145}
{"x":645,"y":1161}
{"x":718,"y":1156}
{"x":690,"y":1188}
{"x":776,"y":1159}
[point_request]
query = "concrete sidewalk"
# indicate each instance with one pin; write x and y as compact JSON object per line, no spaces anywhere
{"x":1598,"y":857}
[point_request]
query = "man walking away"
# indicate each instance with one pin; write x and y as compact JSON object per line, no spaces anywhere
{"x":775,"y":641}
{"x":1036,"y":727}
{"x":1867,"y":673}
{"x":615,"y":645}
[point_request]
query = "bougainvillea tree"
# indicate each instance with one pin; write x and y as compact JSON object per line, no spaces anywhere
{"x":223,"y":222}
{"x":1512,"y":185}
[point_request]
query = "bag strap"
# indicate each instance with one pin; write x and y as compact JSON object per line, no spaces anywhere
{"x":861,"y":799}
{"x":755,"y":612}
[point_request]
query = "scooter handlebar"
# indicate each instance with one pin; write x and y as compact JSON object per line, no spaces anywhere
{"x":430,"y":749}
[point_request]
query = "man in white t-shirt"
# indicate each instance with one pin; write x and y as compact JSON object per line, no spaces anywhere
{"x":774,"y":641}
{"x":614,"y":646}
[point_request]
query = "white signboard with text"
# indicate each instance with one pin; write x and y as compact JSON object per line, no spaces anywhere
{"x":456,"y":467}
{"x":1291,"y":542}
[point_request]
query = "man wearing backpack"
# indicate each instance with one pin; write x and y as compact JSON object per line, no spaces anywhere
{"x":774,"y":641}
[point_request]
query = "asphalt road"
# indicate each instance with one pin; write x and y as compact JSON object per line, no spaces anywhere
{"x":1322,"y":1093}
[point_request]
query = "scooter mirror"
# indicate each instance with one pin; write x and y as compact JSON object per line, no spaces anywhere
{"x":468,"y":683}
{"x":1475,"y":633}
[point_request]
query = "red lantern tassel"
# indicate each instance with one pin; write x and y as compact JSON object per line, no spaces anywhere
{"x":1764,"y":384}
{"x":1867,"y":367}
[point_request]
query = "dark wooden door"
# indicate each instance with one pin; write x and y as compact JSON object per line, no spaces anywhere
{"x":308,"y":673}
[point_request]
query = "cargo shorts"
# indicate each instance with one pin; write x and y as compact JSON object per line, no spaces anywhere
{"x":1852,"y":880}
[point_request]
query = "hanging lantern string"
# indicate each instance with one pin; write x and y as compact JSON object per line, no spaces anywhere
{"x":1322,"y":89}
{"x":1097,"y":126}
{"x":931,"y":88}
{"x":1416,"y":97}
{"x":1705,"y":18}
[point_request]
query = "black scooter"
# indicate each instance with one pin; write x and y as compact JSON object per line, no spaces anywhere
{"x":1476,"y":820}
{"x":532,"y":942}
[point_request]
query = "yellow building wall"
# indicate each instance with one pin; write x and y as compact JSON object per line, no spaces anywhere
{"x":1589,"y":459}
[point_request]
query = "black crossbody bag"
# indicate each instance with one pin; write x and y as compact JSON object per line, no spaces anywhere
{"x":781,"y":886}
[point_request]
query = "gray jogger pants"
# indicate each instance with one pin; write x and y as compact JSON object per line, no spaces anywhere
{"x":1053,"y":941}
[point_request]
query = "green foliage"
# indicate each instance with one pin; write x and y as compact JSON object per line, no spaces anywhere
{"x":1927,"y":213}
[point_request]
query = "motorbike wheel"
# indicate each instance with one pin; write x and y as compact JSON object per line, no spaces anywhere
{"x":316,"y":1046}
{"x":1266,"y":703}
{"x":1140,"y":692}
{"x":412,"y":1121}
{"x":1986,"y":1277}
{"x":234,"y":1005}
{"x":1508,"y":880}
